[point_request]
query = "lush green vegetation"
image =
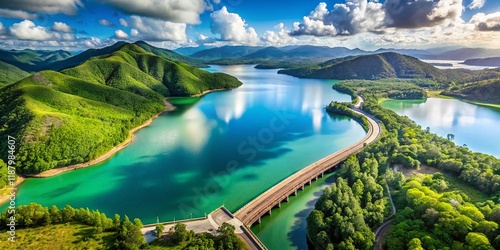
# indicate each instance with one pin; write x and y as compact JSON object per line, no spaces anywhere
{"x":77,"y":114}
{"x":123,"y":233}
{"x":483,"y":91}
{"x":436,"y":212}
{"x":10,"y":74}
{"x":390,"y":88}
{"x":181,"y":238}
{"x":60,"y":236}
{"x":442,"y":220}
{"x":343,"y":109}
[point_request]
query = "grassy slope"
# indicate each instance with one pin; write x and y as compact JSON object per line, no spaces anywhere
{"x":78,"y":114}
{"x":10,"y":74}
{"x":60,"y":236}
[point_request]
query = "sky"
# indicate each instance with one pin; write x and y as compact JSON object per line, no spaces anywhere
{"x":365,"y":24}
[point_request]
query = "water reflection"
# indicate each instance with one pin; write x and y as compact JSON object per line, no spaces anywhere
{"x":471,"y":124}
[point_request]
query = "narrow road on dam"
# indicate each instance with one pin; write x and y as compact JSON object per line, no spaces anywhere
{"x":263,"y":204}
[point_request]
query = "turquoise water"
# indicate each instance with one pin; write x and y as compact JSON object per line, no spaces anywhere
{"x":285,"y":228}
{"x":473,"y":125}
{"x":222,"y":149}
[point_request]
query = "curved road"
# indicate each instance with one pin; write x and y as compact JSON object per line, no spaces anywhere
{"x":261,"y":205}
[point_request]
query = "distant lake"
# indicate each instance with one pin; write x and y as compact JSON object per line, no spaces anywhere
{"x":476,"y":126}
{"x":457,"y":64}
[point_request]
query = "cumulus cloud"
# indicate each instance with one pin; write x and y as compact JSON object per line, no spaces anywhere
{"x":2,"y":29}
{"x":62,"y":27}
{"x":353,"y":17}
{"x":279,"y":37}
{"x":185,"y":11}
{"x":157,"y":30}
{"x":476,"y":4}
{"x":68,"y":7}
{"x":27,"y":30}
{"x":123,"y":22}
{"x":134,"y":32}
{"x":483,"y":22}
{"x":231,"y":27}
{"x":421,"y":13}
{"x":16,"y":14}
{"x":105,"y":22}
{"x":120,"y":34}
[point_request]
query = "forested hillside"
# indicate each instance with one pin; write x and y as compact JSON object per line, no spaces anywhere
{"x":32,"y":60}
{"x":487,"y":91}
{"x":376,"y":66}
{"x":77,"y":114}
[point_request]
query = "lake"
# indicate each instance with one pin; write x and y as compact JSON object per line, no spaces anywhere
{"x":473,"y":125}
{"x":225,"y":148}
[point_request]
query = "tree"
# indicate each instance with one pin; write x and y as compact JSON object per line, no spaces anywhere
{"x":159,"y":230}
{"x":450,"y":137}
{"x":477,"y":241}
{"x":415,"y":244}
{"x":179,"y":233}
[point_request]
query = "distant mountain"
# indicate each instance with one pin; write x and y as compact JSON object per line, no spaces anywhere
{"x":10,"y":74}
{"x":487,"y":91}
{"x":489,"y":61}
{"x":32,"y":60}
{"x":86,"y":55}
{"x":464,"y":54}
{"x":77,"y":114}
{"x":242,"y":53}
{"x":418,"y":53}
{"x":375,"y":66}
{"x":188,"y":51}
{"x":226,"y":52}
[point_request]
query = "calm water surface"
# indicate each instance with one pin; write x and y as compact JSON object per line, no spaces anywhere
{"x":223,"y":149}
{"x":473,"y":125}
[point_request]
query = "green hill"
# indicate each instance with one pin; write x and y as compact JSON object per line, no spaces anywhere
{"x":487,"y":91}
{"x":73,"y":116}
{"x":10,"y":74}
{"x":171,"y":55}
{"x":376,"y":66}
{"x":32,"y":60}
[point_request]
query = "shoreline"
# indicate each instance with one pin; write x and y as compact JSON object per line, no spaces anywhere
{"x":105,"y":156}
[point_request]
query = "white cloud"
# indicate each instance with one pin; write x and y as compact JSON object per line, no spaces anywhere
{"x":421,"y":13}
{"x":353,"y":17}
{"x":134,"y":32}
{"x":476,"y":4}
{"x":16,"y":14}
{"x":483,"y":22}
{"x":120,"y":34}
{"x":68,"y":7}
{"x":179,"y":11}
{"x":60,"y":26}
{"x":280,"y":37}
{"x":105,"y":22}
{"x":123,"y":22}
{"x":157,"y":30}
{"x":231,"y":27}
{"x":29,"y":31}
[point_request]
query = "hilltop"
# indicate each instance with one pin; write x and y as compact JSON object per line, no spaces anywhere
{"x":75,"y":115}
{"x":376,"y":66}
{"x":32,"y":60}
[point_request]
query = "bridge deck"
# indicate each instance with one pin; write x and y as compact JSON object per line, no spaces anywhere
{"x":261,"y":205}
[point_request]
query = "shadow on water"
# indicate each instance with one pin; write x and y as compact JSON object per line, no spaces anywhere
{"x":297,"y":235}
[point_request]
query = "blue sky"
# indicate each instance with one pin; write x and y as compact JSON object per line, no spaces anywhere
{"x":367,"y":24}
